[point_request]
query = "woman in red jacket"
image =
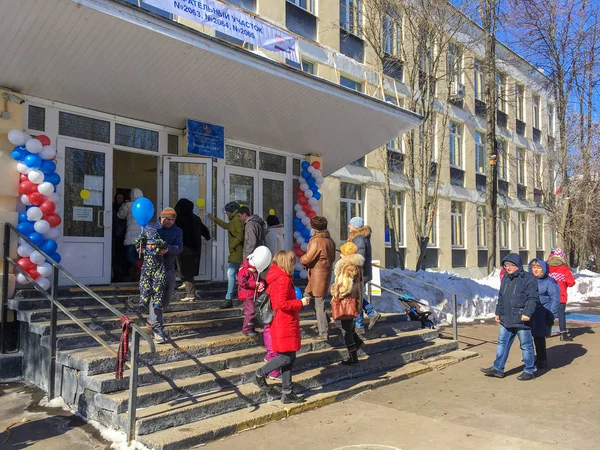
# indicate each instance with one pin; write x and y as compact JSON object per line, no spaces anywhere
{"x":563,"y":276}
{"x":285,"y":328}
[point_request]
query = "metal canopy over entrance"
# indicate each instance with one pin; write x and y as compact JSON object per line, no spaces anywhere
{"x":107,"y":56}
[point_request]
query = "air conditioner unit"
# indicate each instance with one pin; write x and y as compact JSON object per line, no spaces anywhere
{"x":457,"y":90}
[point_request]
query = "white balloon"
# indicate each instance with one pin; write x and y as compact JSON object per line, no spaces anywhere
{"x":21,"y":279}
{"x":308,"y":194}
{"x":16,"y":137}
{"x":22,"y":168}
{"x":297,"y":207}
{"x":299,"y":267}
{"x":44,"y":283}
{"x":311,"y":169}
{"x":304,"y":246}
{"x":301,"y":180}
{"x":34,"y":214}
{"x":304,"y":274}
{"x":296,"y":234}
{"x":36,"y":176}
{"x":304,"y":187}
{"x":319,"y":180}
{"x":33,"y":146}
{"x":48,"y":152}
{"x":300,"y":214}
{"x":46,"y":188}
{"x":22,"y":241}
{"x":317,"y":173}
{"x":37,"y":258}
{"x":44,"y":269}
{"x":41,"y":226}
{"x":27,"y":137}
{"x":53,"y":233}
{"x":24,"y":250}
{"x":25,"y":200}
{"x":305,"y":221}
{"x":300,"y":240}
{"x":54,"y":198}
{"x":312,"y":201}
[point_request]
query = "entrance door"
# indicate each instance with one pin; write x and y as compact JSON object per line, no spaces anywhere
{"x":87,"y":217}
{"x":191,"y":178}
{"x":241,"y":186}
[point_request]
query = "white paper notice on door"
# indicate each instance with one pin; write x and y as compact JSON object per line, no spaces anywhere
{"x":81,"y":214}
{"x":95,"y":199}
{"x":95,"y":185}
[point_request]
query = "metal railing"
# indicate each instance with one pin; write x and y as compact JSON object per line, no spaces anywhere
{"x":55,"y":305}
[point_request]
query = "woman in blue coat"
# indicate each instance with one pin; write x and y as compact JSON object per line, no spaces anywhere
{"x":543,"y":317}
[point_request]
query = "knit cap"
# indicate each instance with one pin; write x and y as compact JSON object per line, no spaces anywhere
{"x":168,"y":213}
{"x":357,"y":222}
{"x":558,"y":252}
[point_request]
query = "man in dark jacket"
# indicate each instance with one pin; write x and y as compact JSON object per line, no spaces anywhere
{"x":518,"y":299}
{"x":254,"y":231}
{"x":360,"y":235}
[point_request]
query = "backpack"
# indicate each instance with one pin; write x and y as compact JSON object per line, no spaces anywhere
{"x":262,"y":309}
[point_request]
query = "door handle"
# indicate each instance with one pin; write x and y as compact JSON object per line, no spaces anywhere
{"x":100,"y":214}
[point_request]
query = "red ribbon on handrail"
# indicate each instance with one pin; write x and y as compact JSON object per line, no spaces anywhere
{"x":123,"y":347}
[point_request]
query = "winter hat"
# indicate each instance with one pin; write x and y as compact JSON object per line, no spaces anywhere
{"x":349,"y":248}
{"x":232,"y":207}
{"x":260,"y":258}
{"x":357,"y":222}
{"x":272,"y":221}
{"x":558,"y":252}
{"x":318,"y":223}
{"x":168,"y":213}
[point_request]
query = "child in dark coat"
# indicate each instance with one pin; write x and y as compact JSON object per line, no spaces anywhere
{"x":250,"y":284}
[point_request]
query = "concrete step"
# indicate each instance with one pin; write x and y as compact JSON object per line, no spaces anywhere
{"x":231,"y":369}
{"x":198,"y":407}
{"x":188,"y":435}
{"x":96,"y":360}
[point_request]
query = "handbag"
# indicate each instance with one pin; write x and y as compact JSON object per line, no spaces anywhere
{"x":263,"y":311}
{"x":344,"y":309}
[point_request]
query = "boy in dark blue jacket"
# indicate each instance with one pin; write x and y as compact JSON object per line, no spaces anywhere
{"x":518,"y":299}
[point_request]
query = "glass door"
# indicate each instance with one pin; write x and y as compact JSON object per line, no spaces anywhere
{"x":86,"y":193}
{"x":276,"y":197}
{"x":191,"y":178}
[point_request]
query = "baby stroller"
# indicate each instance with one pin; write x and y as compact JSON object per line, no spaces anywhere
{"x":412,"y":308}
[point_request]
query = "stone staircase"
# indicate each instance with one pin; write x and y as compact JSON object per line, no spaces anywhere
{"x":197,"y":387}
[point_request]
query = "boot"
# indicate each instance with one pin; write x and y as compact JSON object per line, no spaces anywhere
{"x":352,"y":359}
{"x":226,"y":304}
{"x":290,"y":397}
{"x":564,"y":336}
{"x":492,"y":372}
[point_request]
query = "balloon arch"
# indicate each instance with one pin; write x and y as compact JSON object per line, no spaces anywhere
{"x":39,"y":219}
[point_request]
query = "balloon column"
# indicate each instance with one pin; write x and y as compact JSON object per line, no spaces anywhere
{"x":39,"y":220}
{"x":307,"y":207}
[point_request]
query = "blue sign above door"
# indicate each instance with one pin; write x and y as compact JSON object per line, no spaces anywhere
{"x":205,"y":139}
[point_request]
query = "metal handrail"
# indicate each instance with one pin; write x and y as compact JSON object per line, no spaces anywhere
{"x":55,"y":304}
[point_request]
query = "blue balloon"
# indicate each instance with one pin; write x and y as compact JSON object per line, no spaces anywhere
{"x":32,"y":160}
{"x":56,"y":257}
{"x":296,"y":274}
{"x":305,"y":174}
{"x":305,"y":164}
{"x":49,"y":246}
{"x":26,"y":228}
{"x":297,"y":290}
{"x":23,"y":217}
{"x":142,"y":211}
{"x":317,"y":195}
{"x":48,"y":166}
{"x":53,"y":178}
{"x":36,"y":238}
{"x":19,"y":153}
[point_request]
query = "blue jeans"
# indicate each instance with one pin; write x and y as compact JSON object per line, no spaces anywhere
{"x":231,"y":276}
{"x":506,"y":337}
{"x":359,"y":322}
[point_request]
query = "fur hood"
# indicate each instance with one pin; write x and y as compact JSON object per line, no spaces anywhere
{"x":354,"y":260}
{"x":556,"y":261}
{"x":321,"y":234}
{"x":364,"y":231}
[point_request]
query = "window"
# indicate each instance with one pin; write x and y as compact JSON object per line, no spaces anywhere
{"x":241,"y":157}
{"x":308,"y":5}
{"x":479,"y":81}
{"x":550,"y":119}
{"x":520,"y":99}
{"x":83,"y":127}
{"x":480,"y":153}
{"x":522,"y":223}
{"x":502,"y":159}
{"x":503,"y":228}
{"x":272,"y":163}
{"x":537,"y":170}
{"x":359,"y":162}
{"x":520,"y":154}
{"x":395,"y":161}
{"x":397,"y":211}
{"x":308,"y":67}
{"x":536,"y":111}
{"x":350,"y":206}
{"x":351,"y":16}
{"x":481,"y":227}
{"x":248,"y":5}
{"x":300,"y":20}
{"x":539,"y":232}
{"x":433,"y":234}
{"x":552,"y":239}
{"x":457,"y":225}
{"x":347,"y":82}
{"x":454,"y":63}
{"x":500,"y":92}
{"x":392,"y":35}
{"x":455,"y":144}
{"x":36,"y":118}
{"x":133,"y":137}
{"x":173,"y":145}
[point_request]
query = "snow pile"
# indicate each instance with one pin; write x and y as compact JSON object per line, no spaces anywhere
{"x":587,"y":285}
{"x":117,"y":438}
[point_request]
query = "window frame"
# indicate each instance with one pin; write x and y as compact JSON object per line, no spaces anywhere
{"x":350,"y":24}
{"x":311,"y":5}
{"x":520,"y":157}
{"x":501,"y":92}
{"x":551,"y":119}
{"x":520,"y":102}
{"x":479,"y":81}
{"x":455,"y":145}
{"x":536,"y":102}
{"x":522,"y":229}
{"x":309,"y":64}
{"x":503,"y":229}
{"x":539,"y":232}
{"x":481,"y":227}
{"x":480,"y":153}
{"x":349,"y":202}
{"x":392,"y":35}
{"x":398,"y":208}
{"x":454,"y":57}
{"x":457,"y":224}
{"x":350,"y":81}
{"x":537,"y":170}
{"x":503,"y":159}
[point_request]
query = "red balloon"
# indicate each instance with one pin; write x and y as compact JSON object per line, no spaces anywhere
{"x":33,"y":273}
{"x":47,"y":207}
{"x":27,"y":187}
{"x":302,"y":200}
{"x":53,"y":219}
{"x":35,"y":198}
{"x":23,"y":177}
{"x":45,"y":140}
{"x":298,"y":252}
{"x":25,"y":263}
{"x":316,"y":164}
{"x":311,"y":214}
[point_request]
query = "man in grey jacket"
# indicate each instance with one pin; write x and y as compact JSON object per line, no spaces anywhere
{"x":254,"y":231}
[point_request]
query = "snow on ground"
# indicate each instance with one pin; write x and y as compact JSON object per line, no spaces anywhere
{"x":476,"y":299}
